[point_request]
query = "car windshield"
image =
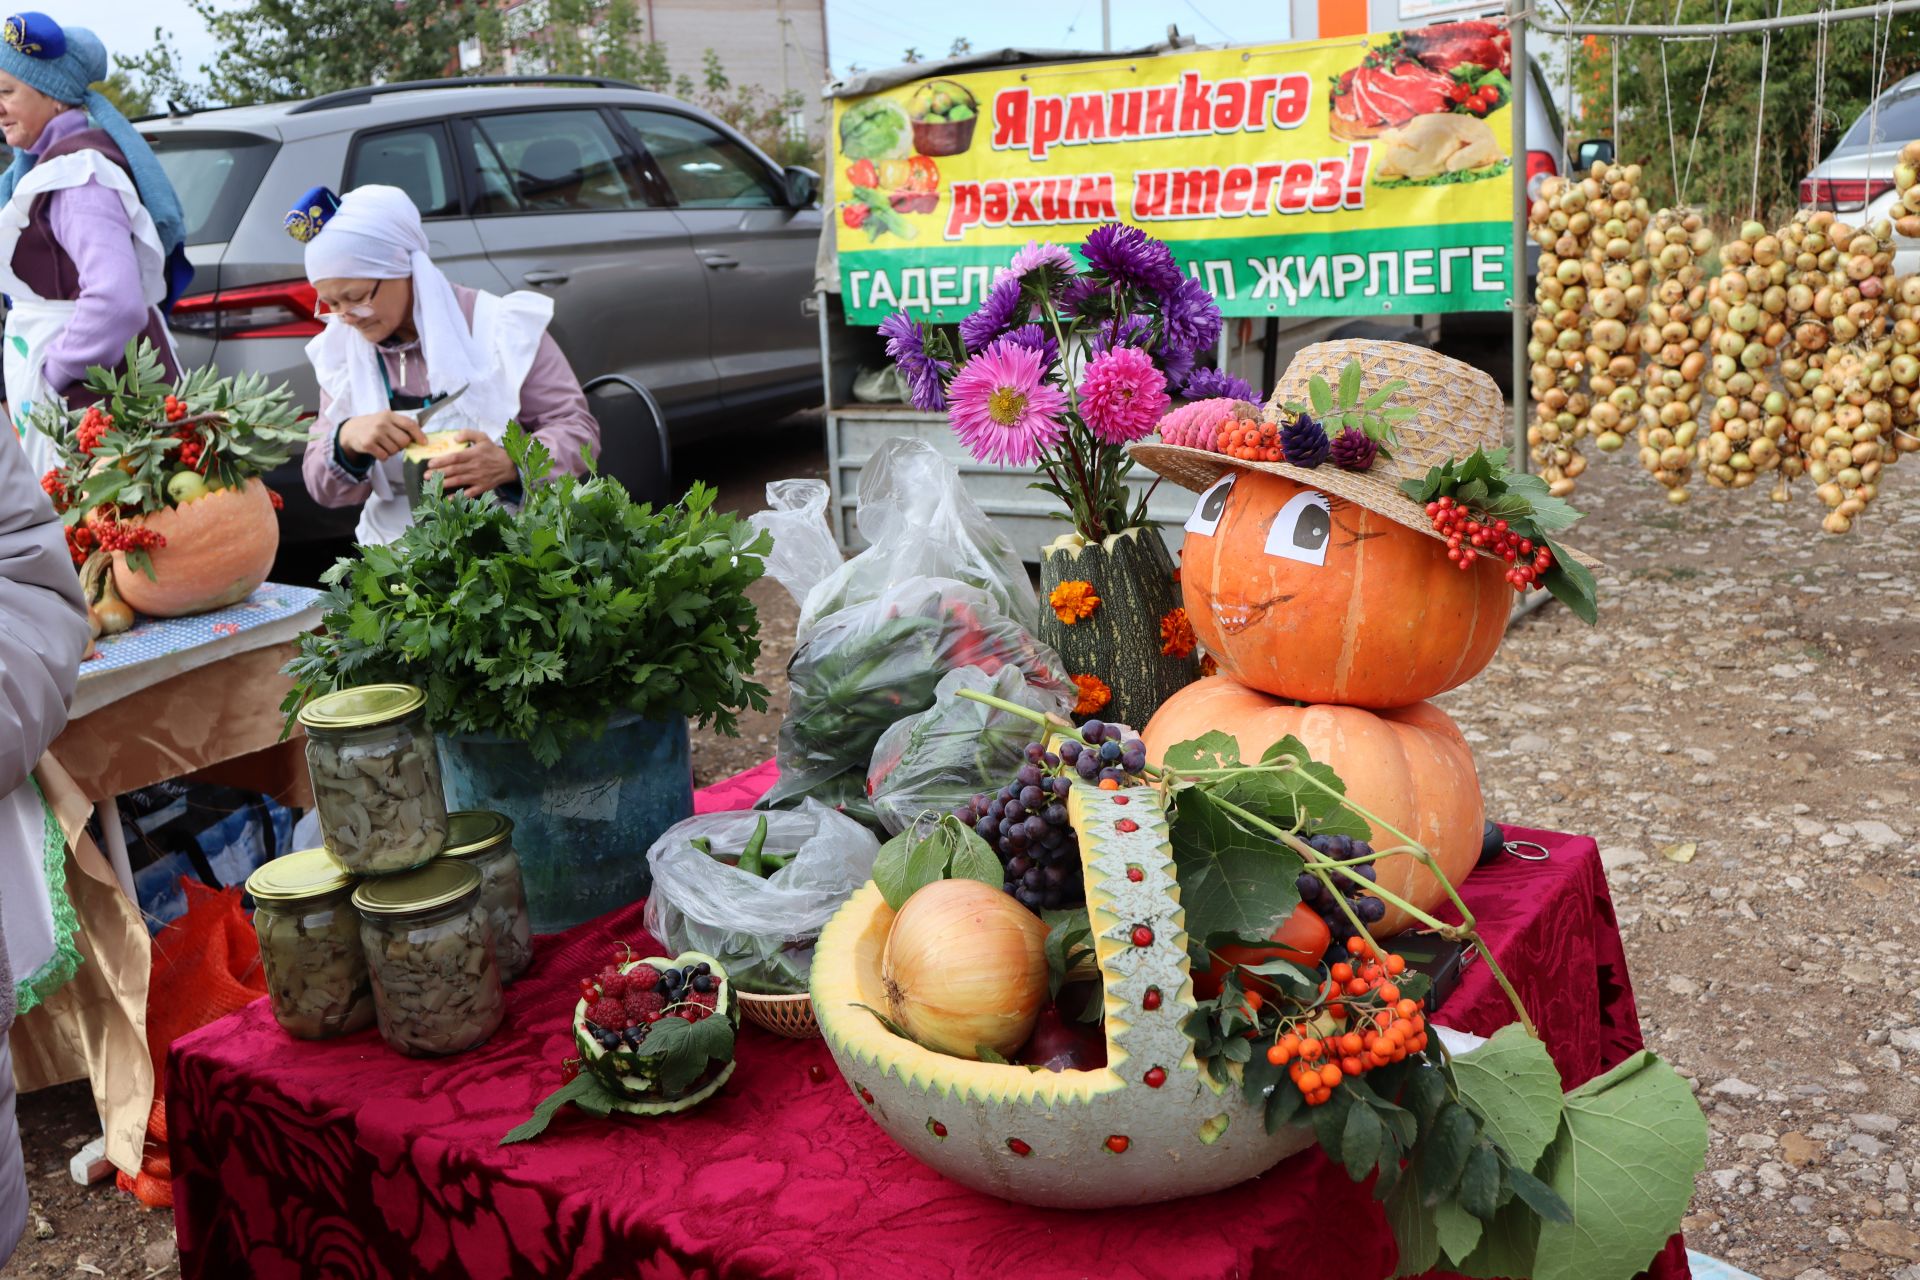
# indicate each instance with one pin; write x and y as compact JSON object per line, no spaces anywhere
{"x":1898,"y":120}
{"x":215,"y":176}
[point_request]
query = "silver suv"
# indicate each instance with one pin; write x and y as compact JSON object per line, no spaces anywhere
{"x":1856,"y":179}
{"x":679,"y":257}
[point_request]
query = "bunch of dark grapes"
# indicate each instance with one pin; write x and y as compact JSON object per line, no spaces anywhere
{"x":1369,"y":909}
{"x":1025,"y":821}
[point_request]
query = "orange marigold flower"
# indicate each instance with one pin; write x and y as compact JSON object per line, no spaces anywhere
{"x":1176,"y":634}
{"x":1073,"y":601}
{"x":1094,"y":695}
{"x":1208,"y":667}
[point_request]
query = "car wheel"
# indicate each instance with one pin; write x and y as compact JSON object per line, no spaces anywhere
{"x":633,"y":437}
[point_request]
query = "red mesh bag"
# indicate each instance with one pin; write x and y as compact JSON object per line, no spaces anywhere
{"x":206,"y":965}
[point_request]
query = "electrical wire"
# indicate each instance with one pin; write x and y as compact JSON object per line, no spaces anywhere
{"x":1760,"y":116}
{"x":1209,"y":21}
{"x":1700,"y":112}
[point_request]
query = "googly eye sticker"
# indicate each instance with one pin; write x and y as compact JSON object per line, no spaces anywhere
{"x":1302,"y":529}
{"x":1212,"y":505}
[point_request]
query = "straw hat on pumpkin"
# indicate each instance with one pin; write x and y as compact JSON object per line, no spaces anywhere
{"x":1458,"y":409}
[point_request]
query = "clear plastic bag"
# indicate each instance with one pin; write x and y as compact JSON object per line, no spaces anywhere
{"x":804,"y":553}
{"x":860,"y":669}
{"x":761,"y":930}
{"x":919,"y":522}
{"x":938,"y":760}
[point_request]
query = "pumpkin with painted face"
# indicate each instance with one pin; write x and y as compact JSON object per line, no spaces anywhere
{"x":1306,"y":595}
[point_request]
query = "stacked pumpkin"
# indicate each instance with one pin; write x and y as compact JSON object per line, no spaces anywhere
{"x":1334,"y":614}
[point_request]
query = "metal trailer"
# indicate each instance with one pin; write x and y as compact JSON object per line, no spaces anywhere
{"x":1253,"y":351}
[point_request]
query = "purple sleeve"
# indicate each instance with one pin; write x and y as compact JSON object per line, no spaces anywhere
{"x":91,"y":225}
{"x":329,"y":481}
{"x":554,"y":409}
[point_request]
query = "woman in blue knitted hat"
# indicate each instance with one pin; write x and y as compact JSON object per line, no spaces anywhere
{"x":90,"y":233}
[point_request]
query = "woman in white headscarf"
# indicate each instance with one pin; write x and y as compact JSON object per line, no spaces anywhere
{"x":399,"y":337}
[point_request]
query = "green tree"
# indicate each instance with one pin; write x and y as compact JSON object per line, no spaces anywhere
{"x":154,"y":75}
{"x":960,"y":48}
{"x":1791,"y":137}
{"x":575,"y":38}
{"x":123,"y":92}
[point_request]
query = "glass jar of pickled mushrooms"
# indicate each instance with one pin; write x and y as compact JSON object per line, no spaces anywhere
{"x":376,"y":777}
{"x":317,"y":982}
{"x":429,"y":950}
{"x":484,"y":841}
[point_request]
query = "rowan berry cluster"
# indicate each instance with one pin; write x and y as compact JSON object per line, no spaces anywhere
{"x":1382,"y":1027}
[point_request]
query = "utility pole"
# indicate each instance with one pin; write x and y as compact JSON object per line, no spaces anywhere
{"x":1106,"y":25}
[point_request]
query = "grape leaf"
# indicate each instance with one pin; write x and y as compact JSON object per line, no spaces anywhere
{"x":1510,"y":1082}
{"x":1630,"y":1145}
{"x":585,"y":1091}
{"x":1231,"y":881}
{"x":1211,"y":750}
{"x":1458,"y":1231}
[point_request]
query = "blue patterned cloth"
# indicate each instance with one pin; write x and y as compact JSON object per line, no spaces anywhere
{"x":153,"y":638}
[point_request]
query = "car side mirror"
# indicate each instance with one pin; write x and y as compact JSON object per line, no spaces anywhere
{"x":1591,"y":152}
{"x":803,"y":187}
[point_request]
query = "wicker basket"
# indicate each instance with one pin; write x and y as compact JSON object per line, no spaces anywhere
{"x":789,"y":1016}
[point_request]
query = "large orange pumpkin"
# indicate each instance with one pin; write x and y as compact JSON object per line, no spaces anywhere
{"x":1309,"y":596}
{"x":1410,"y":765}
{"x":219,"y":548}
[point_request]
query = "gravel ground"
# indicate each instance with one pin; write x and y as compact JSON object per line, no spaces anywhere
{"x":1740,"y":735}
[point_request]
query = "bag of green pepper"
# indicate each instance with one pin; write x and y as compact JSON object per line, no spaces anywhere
{"x":858,"y":671}
{"x":753,"y":890}
{"x":940,"y":759}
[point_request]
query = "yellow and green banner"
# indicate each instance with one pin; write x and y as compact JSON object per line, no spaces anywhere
{"x":1367,"y":175}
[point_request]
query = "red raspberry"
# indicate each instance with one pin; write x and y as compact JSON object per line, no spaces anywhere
{"x":705,"y":999}
{"x":689,"y":1012}
{"x":645,"y":978}
{"x":640,"y":1003}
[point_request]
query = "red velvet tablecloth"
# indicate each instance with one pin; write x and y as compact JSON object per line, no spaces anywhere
{"x":342,"y":1159}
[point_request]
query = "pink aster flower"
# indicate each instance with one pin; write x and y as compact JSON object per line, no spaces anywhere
{"x":1036,"y":254}
{"x":1002,"y":407}
{"x":1122,"y":395}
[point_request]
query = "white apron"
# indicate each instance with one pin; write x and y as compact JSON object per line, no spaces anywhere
{"x":33,"y":322}
{"x":508,"y":329}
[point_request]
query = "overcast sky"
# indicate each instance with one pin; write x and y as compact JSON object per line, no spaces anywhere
{"x":870,"y":33}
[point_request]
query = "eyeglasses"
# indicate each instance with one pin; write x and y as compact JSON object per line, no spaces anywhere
{"x":353,"y":311}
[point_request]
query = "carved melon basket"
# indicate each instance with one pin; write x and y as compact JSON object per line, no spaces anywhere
{"x":1151,"y":1125}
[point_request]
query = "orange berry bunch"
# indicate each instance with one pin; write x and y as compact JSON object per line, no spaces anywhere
{"x":176,"y":408}
{"x":93,"y":424}
{"x":1383,"y":1027}
{"x":1249,"y":441}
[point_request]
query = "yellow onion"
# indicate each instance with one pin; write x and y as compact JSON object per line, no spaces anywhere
{"x":965,"y":968}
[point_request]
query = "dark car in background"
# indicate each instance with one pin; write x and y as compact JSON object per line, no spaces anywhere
{"x":679,"y":257}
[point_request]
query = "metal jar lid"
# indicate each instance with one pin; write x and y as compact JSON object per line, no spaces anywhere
{"x":362,"y":706}
{"x":471,"y":831}
{"x":295,"y":877}
{"x":437,"y":884}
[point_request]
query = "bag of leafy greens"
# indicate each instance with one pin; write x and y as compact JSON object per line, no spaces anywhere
{"x":753,"y":890}
{"x":862,"y":668}
{"x":940,"y":759}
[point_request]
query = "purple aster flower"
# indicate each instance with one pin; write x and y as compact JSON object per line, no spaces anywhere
{"x":1189,"y":318}
{"x":907,"y":348}
{"x":1035,"y":338}
{"x":1212,"y":384}
{"x":1056,"y":257}
{"x":1003,"y":408}
{"x":1129,"y":256}
{"x":1079,"y":293}
{"x":999,"y":313}
{"x":1124,"y":331}
{"x":1175,"y":362}
{"x":1122,"y":395}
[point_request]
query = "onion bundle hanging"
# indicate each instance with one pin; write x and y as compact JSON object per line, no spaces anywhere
{"x":1747,"y":421}
{"x":1557,"y":350}
{"x":1904,"y":310}
{"x":1676,"y":328}
{"x":1617,"y":270}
